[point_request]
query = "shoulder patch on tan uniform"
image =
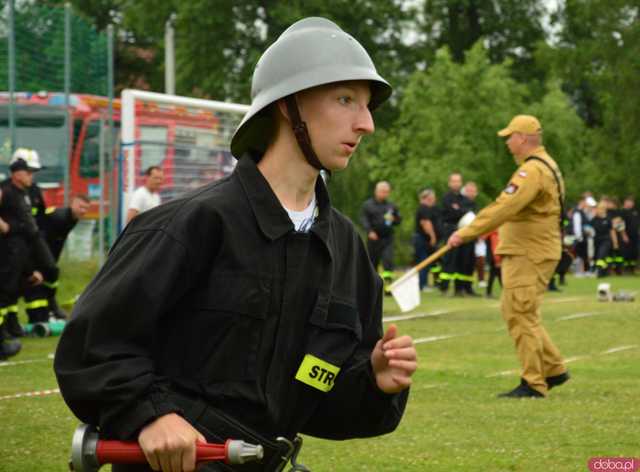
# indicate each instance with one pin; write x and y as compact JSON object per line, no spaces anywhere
{"x":511,"y":189}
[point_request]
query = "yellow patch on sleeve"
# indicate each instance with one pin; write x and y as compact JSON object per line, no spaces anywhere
{"x":317,"y":373}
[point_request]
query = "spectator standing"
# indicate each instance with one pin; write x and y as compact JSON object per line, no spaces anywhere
{"x":466,"y":263}
{"x":494,"y":261}
{"x":578,"y":220}
{"x":379,"y":216}
{"x":454,"y":206}
{"x":426,"y":233}
{"x":146,"y":197}
{"x":605,"y":239}
{"x":632,"y":222}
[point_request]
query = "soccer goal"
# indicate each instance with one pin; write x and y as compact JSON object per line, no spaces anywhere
{"x":188,"y":138}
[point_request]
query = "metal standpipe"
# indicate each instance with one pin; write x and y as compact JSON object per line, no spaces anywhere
{"x":83,"y":449}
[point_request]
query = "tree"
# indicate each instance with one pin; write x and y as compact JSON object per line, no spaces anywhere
{"x":218,"y":43}
{"x":596,"y":58}
{"x":448,"y":121}
{"x":510,"y":29}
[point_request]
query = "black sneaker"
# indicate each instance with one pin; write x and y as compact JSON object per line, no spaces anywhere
{"x":557,"y":380}
{"x":522,"y":391}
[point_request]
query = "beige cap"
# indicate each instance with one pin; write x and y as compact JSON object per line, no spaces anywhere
{"x":525,"y":124}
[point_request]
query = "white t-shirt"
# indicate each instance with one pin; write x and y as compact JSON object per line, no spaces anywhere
{"x":143,"y":200}
{"x":303,"y":220}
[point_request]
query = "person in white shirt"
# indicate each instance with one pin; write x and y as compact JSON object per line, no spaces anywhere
{"x":147,"y":196}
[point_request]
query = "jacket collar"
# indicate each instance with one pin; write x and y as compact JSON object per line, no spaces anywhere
{"x":272,"y":218}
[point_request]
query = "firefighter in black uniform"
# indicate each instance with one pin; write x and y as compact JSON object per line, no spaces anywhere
{"x":36,"y":304}
{"x":454,"y":207}
{"x":379,"y":216}
{"x":8,"y":347}
{"x":29,"y":260}
{"x":466,"y":255}
{"x":249,"y":308}
{"x":55,"y":224}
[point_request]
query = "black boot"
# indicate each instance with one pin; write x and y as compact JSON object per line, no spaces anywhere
{"x":552,"y":285}
{"x":557,"y":380}
{"x":13,"y":326}
{"x":468,"y":290}
{"x":8,"y":347}
{"x":55,"y":310}
{"x":522,"y":391}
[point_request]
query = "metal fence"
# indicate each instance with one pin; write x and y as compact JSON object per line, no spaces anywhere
{"x":46,"y":51}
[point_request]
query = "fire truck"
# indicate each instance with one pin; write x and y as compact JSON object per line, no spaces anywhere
{"x":190,"y":145}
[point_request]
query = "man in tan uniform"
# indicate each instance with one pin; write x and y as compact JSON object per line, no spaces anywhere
{"x":528,"y":214}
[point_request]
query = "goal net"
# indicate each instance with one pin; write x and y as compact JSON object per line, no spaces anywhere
{"x":188,"y":138}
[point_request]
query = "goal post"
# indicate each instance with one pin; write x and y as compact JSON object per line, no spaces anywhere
{"x":188,"y":138}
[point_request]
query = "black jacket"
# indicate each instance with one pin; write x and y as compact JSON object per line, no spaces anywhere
{"x":380,"y":217}
{"x":38,"y":207}
{"x":15,"y":209}
{"x":55,"y":225}
{"x":216,"y":295}
{"x":454,"y":206}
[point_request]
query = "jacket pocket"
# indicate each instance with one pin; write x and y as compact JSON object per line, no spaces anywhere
{"x":335,"y":330}
{"x":230,"y":314}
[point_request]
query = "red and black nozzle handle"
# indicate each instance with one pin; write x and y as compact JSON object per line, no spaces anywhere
{"x":89,"y":452}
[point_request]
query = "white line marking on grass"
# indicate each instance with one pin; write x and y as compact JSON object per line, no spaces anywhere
{"x":550,"y":301}
{"x":414,"y":316}
{"x":572,"y":359}
{"x":37,"y":393}
{"x":28,"y":361}
{"x":431,"y":339}
{"x":579,"y":315}
{"x":619,"y":348}
{"x":569,"y":360}
{"x":564,"y":300}
{"x":503,"y":373}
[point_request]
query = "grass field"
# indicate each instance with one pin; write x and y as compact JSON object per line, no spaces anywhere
{"x":453,"y":421}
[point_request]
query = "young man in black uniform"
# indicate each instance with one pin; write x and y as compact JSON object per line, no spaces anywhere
{"x":55,"y":224}
{"x":249,"y":308}
{"x":29,"y":259}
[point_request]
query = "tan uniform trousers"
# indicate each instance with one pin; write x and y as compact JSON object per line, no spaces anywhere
{"x":524,"y":285}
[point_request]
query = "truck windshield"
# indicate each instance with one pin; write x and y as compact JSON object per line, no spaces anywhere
{"x":41,"y":128}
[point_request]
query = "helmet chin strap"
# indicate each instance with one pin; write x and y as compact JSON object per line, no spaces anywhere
{"x":301,"y":133}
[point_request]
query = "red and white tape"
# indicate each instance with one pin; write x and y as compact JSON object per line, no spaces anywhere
{"x":37,"y":393}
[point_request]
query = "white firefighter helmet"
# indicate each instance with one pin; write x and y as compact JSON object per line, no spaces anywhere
{"x":28,"y":156}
